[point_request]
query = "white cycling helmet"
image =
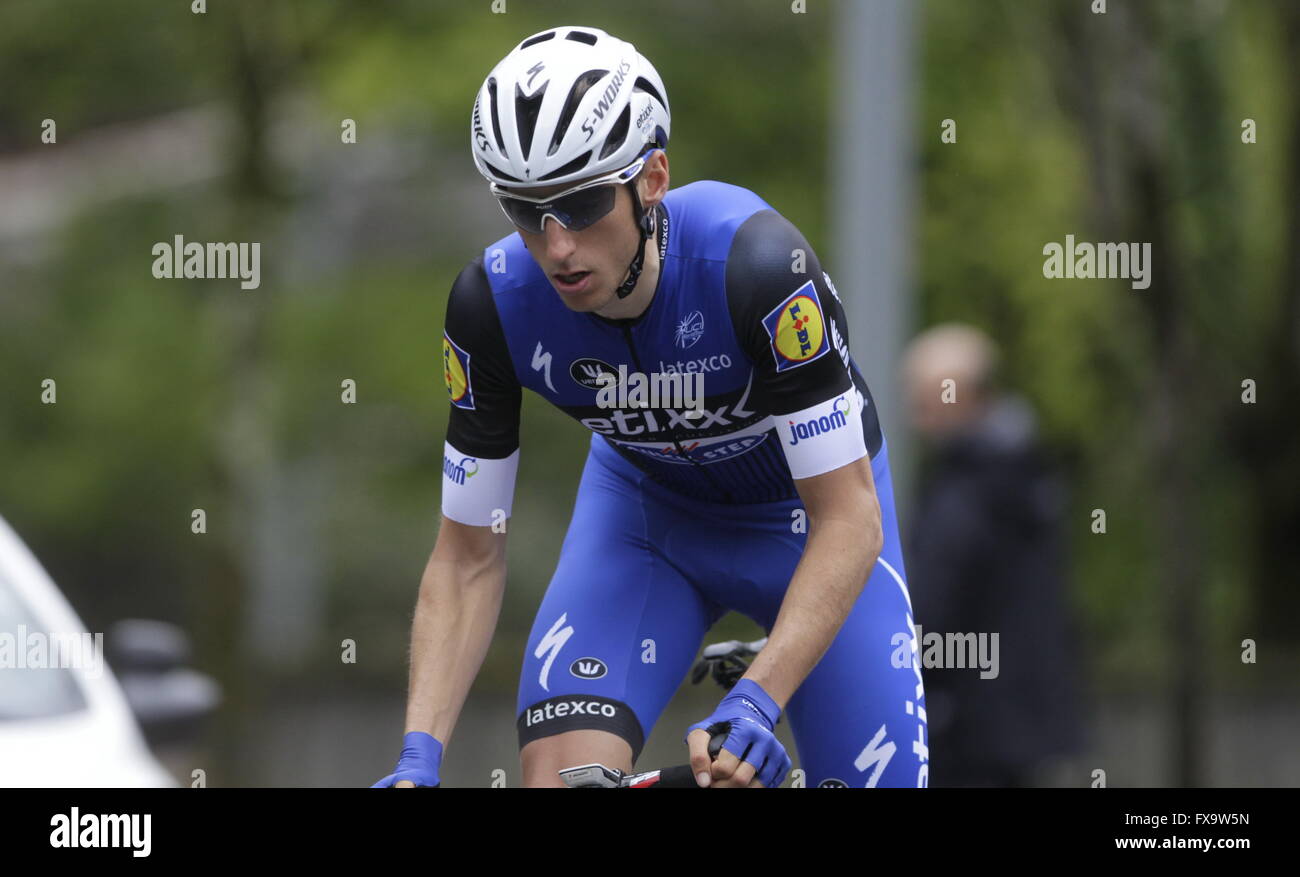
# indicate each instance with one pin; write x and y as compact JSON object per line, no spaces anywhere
{"x":565,"y":104}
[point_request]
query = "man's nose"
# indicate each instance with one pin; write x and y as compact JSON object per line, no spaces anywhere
{"x":560,"y":242}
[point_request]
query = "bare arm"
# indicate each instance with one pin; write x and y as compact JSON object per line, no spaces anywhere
{"x":455,"y":618}
{"x":844,"y":540}
{"x":464,"y":581}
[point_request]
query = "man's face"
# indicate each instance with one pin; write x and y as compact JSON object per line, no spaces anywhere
{"x":586,"y":267}
{"x":939,"y":409}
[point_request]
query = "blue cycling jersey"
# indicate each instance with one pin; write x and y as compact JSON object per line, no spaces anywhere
{"x":741,"y":302}
{"x":687,"y":507}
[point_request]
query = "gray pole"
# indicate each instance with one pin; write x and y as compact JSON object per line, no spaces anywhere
{"x":871,"y":166}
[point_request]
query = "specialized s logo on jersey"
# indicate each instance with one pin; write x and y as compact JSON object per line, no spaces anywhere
{"x":796,"y":329}
{"x":455,"y":371}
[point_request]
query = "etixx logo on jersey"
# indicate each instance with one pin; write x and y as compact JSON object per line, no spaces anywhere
{"x":796,"y":329}
{"x":455,"y":371}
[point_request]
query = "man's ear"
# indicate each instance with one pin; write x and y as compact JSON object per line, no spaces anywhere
{"x":648,"y":178}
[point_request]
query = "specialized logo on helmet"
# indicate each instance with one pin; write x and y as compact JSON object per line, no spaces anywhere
{"x":606,"y":99}
{"x":690,"y":329}
{"x":814,"y":426}
{"x":533,"y":72}
{"x":587,"y":372}
{"x":455,"y":371}
{"x":796,"y":329}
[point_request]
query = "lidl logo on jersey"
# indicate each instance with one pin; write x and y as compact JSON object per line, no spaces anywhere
{"x":455,"y":371}
{"x":458,"y":472}
{"x":814,"y":426}
{"x":796,"y":329}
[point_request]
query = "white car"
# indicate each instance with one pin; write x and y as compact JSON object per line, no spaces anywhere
{"x":59,"y":726}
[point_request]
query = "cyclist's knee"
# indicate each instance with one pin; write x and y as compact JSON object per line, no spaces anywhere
{"x":543,"y":759}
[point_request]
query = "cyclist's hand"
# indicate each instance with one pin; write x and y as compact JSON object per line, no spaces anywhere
{"x":418,"y":766}
{"x":752,"y":756}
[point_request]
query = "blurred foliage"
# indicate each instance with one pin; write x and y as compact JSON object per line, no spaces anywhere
{"x":151,"y":373}
{"x":160,"y":381}
{"x":1022,"y":174}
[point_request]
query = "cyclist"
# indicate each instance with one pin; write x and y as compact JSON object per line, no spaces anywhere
{"x":770,"y":495}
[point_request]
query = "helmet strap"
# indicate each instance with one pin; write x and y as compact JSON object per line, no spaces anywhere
{"x":645,"y":228}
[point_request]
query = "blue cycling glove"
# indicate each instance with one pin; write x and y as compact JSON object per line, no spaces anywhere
{"x":751,"y":715}
{"x":421,"y":758}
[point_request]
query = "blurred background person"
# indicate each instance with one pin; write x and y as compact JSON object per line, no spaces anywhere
{"x":987,"y":556}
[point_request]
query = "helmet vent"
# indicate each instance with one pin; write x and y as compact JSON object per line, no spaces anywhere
{"x":580,"y":87}
{"x":618,"y":133}
{"x":581,"y":36}
{"x":496,"y":120}
{"x":571,"y":168}
{"x":540,"y":38}
{"x":502,"y":174}
{"x":643,"y":84}
{"x":526,"y":110}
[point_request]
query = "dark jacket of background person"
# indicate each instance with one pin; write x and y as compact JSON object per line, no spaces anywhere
{"x":987,"y":554}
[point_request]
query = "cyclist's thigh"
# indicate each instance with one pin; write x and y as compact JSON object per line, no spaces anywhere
{"x":619,"y":626}
{"x":859,"y":718}
{"x":544,"y":758}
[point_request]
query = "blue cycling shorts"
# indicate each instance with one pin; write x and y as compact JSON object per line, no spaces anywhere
{"x":645,"y":572}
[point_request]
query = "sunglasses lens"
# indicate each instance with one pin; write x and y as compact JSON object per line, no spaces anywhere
{"x":521,"y":213}
{"x":575,"y":212}
{"x":586,"y":206}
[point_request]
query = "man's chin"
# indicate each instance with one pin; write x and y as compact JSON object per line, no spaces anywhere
{"x":585,"y":301}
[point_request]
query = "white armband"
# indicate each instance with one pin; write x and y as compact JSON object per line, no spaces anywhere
{"x":477,"y":491}
{"x":823,"y":437}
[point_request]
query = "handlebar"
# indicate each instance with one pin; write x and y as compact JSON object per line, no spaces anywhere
{"x":727,"y":663}
{"x":597,"y":776}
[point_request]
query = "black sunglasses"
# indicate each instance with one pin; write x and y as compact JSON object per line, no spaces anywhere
{"x":575,"y":208}
{"x":574,"y":211}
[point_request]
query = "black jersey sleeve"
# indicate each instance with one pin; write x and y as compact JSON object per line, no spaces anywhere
{"x":790,"y":323}
{"x":482,"y":447}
